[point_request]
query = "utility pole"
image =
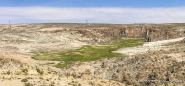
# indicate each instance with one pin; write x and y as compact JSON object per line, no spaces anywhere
{"x":86,"y":24}
{"x":86,"y":21}
{"x":9,"y":24}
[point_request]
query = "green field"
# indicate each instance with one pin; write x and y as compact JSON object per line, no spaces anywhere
{"x":88,"y":52}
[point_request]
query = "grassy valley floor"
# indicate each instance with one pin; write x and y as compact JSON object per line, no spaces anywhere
{"x":88,"y":52}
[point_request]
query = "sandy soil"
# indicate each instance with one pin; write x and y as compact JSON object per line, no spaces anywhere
{"x":158,"y":45}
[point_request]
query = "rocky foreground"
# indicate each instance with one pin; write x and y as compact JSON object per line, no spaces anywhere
{"x":164,"y":66}
{"x":157,"y":64}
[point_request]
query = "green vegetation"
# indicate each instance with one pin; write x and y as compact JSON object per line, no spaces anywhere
{"x":25,"y":71}
{"x":88,"y":52}
{"x":24,"y":80}
{"x":39,"y":71}
{"x":28,"y":84}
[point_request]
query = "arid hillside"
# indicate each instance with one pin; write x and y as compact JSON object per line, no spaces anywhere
{"x":134,"y":65}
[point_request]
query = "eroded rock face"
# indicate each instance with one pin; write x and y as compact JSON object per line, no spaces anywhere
{"x":150,"y":33}
{"x":93,"y":33}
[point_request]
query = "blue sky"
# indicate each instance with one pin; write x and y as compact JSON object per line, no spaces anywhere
{"x":95,"y":11}
{"x":94,"y":3}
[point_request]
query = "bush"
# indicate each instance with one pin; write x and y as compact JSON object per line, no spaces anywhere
{"x":25,"y":71}
{"x":28,"y":84}
{"x":39,"y":71}
{"x":24,"y":80}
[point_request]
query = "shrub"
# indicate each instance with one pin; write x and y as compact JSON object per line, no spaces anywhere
{"x":24,"y":80}
{"x":25,"y":71}
{"x":28,"y":84}
{"x":39,"y":71}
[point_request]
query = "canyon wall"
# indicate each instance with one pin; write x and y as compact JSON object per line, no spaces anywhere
{"x":150,"y":33}
{"x":99,"y":33}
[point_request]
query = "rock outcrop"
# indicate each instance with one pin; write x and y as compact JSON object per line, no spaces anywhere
{"x":150,"y":33}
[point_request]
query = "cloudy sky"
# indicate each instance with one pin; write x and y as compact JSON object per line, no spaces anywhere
{"x":95,"y":11}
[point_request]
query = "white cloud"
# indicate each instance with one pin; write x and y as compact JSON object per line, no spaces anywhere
{"x":94,"y":15}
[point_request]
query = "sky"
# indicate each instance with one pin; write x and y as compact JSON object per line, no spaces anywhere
{"x":94,"y":11}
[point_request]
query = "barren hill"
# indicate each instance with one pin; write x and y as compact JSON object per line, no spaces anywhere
{"x":21,"y":41}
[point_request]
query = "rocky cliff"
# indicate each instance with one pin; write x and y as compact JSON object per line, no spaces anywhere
{"x":150,"y":33}
{"x":101,"y":33}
